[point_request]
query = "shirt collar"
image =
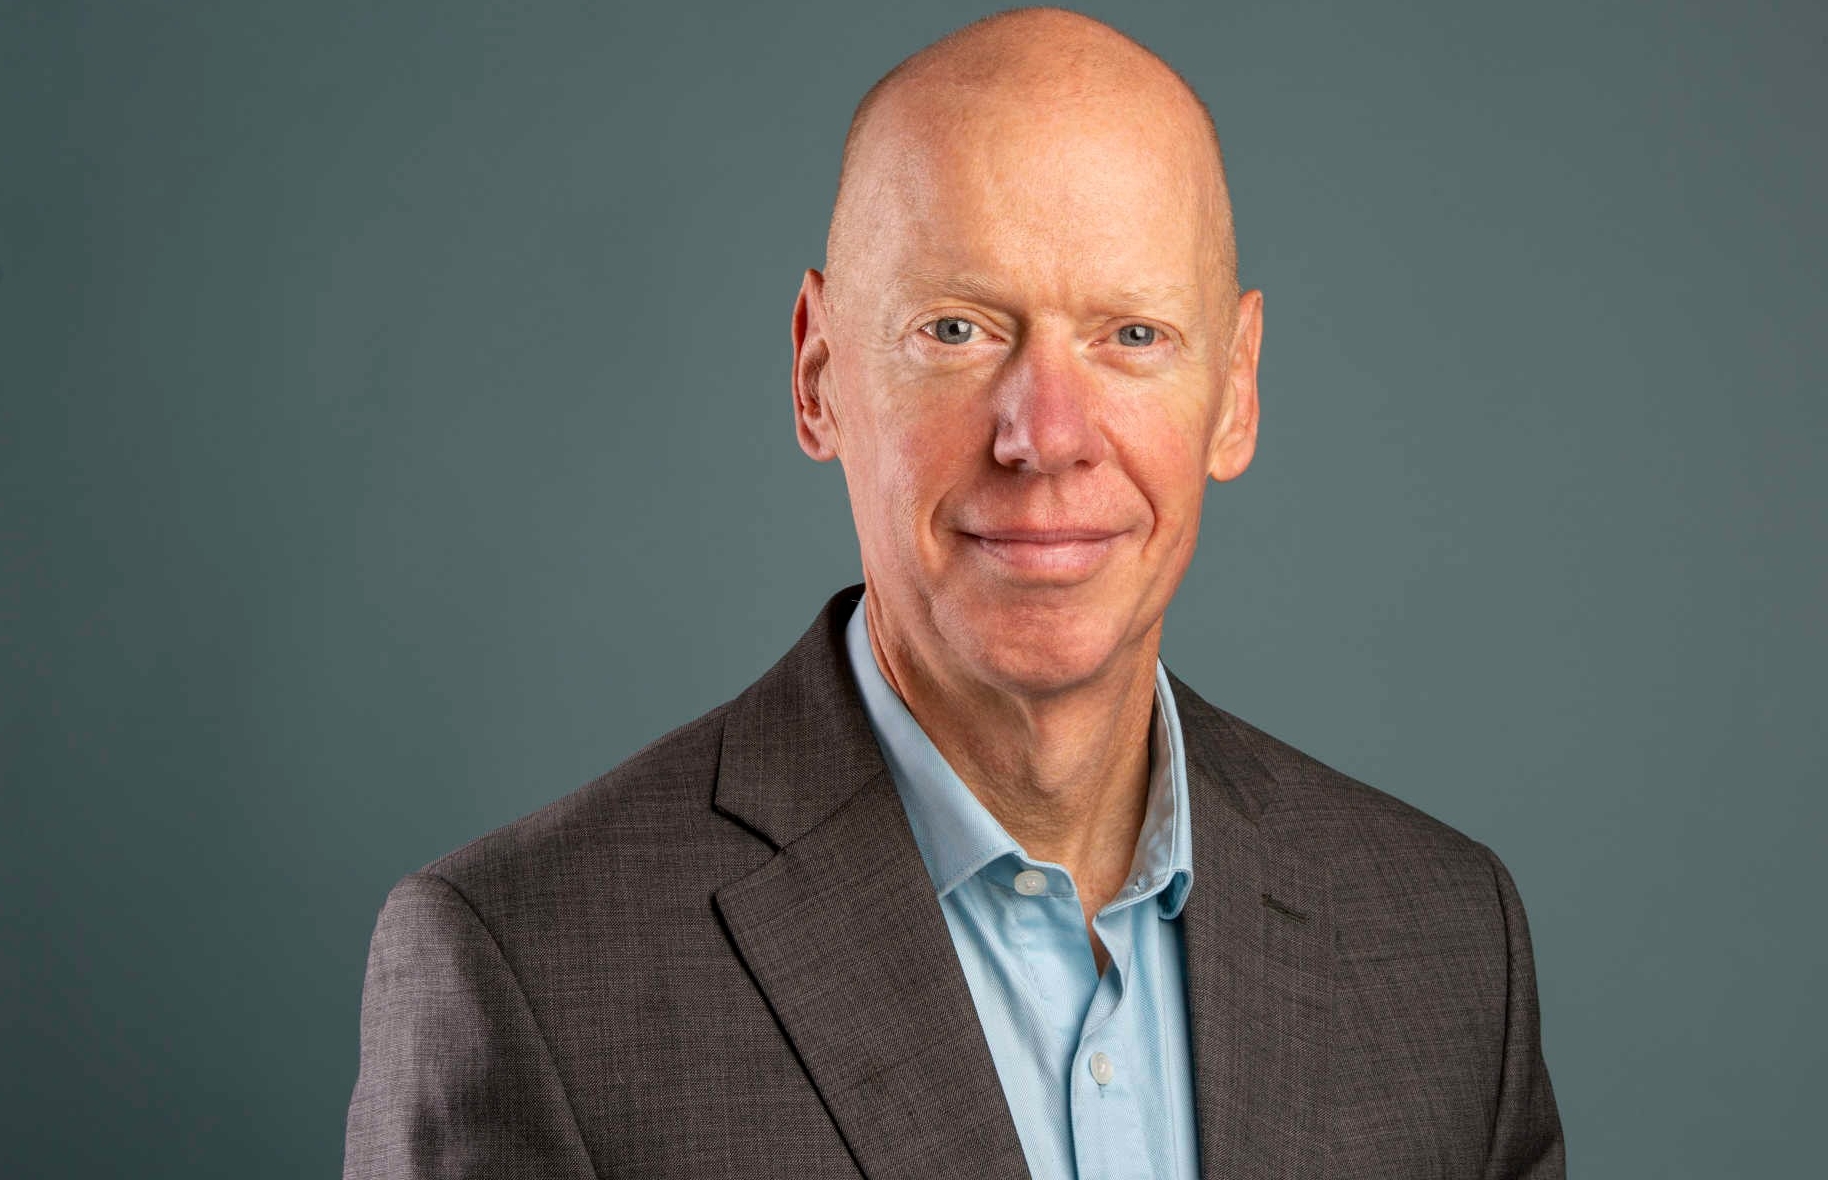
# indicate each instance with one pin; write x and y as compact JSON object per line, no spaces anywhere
{"x":958,"y":838}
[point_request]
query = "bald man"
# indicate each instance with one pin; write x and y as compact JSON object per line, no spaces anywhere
{"x":968,"y":885}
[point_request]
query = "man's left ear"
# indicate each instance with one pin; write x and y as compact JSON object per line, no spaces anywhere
{"x":812,"y":416}
{"x":1236,"y":439}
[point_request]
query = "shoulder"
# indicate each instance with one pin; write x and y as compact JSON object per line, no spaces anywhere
{"x":649,"y":815}
{"x":653,"y":838}
{"x":1367,"y":839}
{"x":1418,"y":910}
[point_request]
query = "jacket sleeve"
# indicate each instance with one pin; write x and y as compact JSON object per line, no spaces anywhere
{"x":1526,"y":1134}
{"x":456,"y":1079}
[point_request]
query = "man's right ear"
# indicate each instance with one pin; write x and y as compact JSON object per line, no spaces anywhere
{"x":812,"y":416}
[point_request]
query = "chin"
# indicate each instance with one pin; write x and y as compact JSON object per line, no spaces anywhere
{"x":1036,"y":648}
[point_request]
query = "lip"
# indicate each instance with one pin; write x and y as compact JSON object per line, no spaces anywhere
{"x":1052,"y":555}
{"x":1043,"y":536}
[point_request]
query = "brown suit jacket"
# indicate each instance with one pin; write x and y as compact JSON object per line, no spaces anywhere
{"x":725,"y":958}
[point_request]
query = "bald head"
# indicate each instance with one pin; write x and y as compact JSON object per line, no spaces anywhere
{"x":1030,"y":69}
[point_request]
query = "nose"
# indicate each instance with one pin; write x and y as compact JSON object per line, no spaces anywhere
{"x":1046,"y":412}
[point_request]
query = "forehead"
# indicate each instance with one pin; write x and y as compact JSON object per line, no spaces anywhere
{"x":1101,"y":195}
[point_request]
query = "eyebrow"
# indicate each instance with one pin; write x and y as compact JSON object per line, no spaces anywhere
{"x":980,"y":289}
{"x":1184,"y":293}
{"x":912,"y":284}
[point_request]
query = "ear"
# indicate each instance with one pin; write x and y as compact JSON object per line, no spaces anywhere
{"x":812,"y":416}
{"x":1236,"y":439}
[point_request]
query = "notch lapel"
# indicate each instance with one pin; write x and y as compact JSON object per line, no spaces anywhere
{"x":1259,"y":936}
{"x":843,"y":933}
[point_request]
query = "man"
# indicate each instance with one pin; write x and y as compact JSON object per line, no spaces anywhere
{"x":967,"y":885}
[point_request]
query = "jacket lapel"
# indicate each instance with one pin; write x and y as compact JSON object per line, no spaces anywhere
{"x":842,"y":930}
{"x":1259,"y":935}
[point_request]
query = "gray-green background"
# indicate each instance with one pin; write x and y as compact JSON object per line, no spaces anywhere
{"x":396,"y":435}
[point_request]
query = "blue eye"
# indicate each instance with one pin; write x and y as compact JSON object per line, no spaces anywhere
{"x":1136,"y":335}
{"x":952,"y":330}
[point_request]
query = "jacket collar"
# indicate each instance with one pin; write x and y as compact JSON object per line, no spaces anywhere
{"x":797,"y":745}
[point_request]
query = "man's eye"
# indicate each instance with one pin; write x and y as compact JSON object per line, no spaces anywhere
{"x":952,"y":330}
{"x":1136,"y":335}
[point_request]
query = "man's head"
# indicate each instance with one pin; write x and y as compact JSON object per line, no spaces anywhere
{"x":1028,"y":348}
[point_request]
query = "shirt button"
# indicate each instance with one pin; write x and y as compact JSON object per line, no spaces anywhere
{"x":1031,"y":882}
{"x":1102,"y":1069}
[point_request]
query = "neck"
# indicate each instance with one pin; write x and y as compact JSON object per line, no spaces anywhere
{"x":1065,"y":772}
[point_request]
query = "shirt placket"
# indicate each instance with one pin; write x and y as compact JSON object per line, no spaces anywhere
{"x":1109,"y":1074}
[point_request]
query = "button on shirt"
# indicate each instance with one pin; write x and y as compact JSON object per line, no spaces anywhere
{"x":1097,"y":1069}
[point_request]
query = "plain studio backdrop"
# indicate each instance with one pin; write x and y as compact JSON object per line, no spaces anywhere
{"x":396,"y":429}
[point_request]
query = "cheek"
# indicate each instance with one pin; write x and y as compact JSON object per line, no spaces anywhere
{"x":923,"y":438}
{"x":1165,"y":455}
{"x":906,"y":451}
{"x":1175,"y":495}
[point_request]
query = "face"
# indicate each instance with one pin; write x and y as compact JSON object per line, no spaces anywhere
{"x":1028,"y":370}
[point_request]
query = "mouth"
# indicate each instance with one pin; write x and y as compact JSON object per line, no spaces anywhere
{"x":1050,"y":555}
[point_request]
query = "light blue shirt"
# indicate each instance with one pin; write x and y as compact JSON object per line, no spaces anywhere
{"x":1097,"y":1069}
